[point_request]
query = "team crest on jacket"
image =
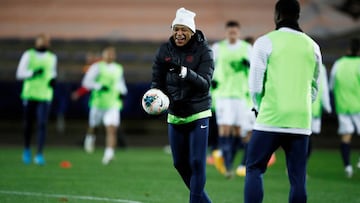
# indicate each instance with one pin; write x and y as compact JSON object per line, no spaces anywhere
{"x":190,"y":59}
{"x":168,"y":59}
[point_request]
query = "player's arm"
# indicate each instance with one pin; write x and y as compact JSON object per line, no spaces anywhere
{"x":201,"y":79}
{"x":159,"y":70}
{"x":52,"y":82}
{"x":121,"y":86}
{"x":217,"y":72}
{"x":332,"y":76}
{"x":315,"y":80}
{"x":22,"y":71}
{"x":89,"y":81}
{"x":325,"y":94}
{"x":258,"y":64}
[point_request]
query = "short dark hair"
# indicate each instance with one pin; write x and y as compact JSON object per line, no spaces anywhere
{"x":288,"y":9}
{"x":354,"y":46}
{"x":232,"y":23}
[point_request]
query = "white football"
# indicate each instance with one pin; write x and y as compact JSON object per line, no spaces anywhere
{"x":155,"y":102}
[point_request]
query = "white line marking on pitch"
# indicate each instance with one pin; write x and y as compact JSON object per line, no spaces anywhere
{"x":66,"y":196}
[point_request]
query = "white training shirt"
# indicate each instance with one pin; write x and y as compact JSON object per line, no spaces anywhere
{"x":89,"y":80}
{"x":216,"y":46}
{"x":258,"y":63}
{"x":23,"y":71}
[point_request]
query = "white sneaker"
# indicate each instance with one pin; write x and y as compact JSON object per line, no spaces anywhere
{"x":89,"y":143}
{"x":108,"y":156}
{"x":349,"y":171}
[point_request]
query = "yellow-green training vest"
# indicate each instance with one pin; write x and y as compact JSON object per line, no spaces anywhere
{"x":286,"y":100}
{"x":229,"y":71}
{"x":347,"y":85}
{"x":37,"y":88}
{"x":110,"y":98}
{"x":317,"y":104}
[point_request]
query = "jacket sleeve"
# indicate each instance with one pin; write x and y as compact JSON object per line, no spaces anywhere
{"x":158,"y":72}
{"x":201,"y":78}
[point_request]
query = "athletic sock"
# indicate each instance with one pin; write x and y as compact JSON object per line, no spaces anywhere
{"x":41,"y":140}
{"x":345,"y":153}
{"x":235,"y":141}
{"x":225,"y":145}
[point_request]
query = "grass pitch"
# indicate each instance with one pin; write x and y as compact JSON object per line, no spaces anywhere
{"x":146,"y":175}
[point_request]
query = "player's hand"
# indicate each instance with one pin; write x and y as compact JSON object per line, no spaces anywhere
{"x":52,"y":83}
{"x":174,"y":67}
{"x":214,"y":84}
{"x":38,"y":72}
{"x":104,"y":88}
{"x":245,"y":63}
{"x":122,"y":96}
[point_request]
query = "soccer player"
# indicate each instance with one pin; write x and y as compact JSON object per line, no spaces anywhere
{"x":106,"y":81}
{"x":321,"y":102}
{"x":283,"y":83}
{"x":91,"y":58}
{"x":345,"y":83}
{"x":37,"y":69}
{"x":231,"y":66}
{"x":182,"y":69}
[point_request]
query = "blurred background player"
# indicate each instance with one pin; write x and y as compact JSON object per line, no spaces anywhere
{"x":283,"y":78}
{"x":106,"y":81}
{"x":345,"y":83}
{"x":91,"y":58}
{"x":231,"y":57}
{"x":321,"y":102}
{"x":37,"y":69}
{"x":183,"y":69}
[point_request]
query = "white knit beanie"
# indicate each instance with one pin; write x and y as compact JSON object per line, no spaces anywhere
{"x":185,"y":17}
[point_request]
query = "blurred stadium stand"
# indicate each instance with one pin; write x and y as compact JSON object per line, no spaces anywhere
{"x":136,"y":28}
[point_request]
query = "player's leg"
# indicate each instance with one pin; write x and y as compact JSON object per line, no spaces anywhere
{"x":241,"y":169}
{"x":42,"y":120}
{"x":260,"y":148}
{"x":224,"y":117}
{"x":236,"y":138}
{"x":111,"y":121}
{"x":28,"y":123}
{"x":95,"y":118}
{"x":356,"y":120}
{"x":213,"y":137}
{"x":346,"y":129}
{"x":247,"y":126}
{"x":225,"y":143}
{"x":179,"y":144}
{"x":295,"y":147}
{"x":198,"y":144}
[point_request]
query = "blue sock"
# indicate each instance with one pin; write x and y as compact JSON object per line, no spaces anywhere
{"x":235,"y":142}
{"x":225,"y":145}
{"x":345,"y":153}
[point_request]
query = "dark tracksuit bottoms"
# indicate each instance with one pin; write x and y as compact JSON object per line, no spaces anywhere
{"x":35,"y":111}
{"x":188,"y":146}
{"x":262,"y":144}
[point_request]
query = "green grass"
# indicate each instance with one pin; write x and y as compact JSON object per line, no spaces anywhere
{"x":146,"y":175}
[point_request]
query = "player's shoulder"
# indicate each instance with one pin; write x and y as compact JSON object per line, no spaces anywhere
{"x":262,"y":40}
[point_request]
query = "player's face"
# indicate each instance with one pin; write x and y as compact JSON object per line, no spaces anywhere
{"x":42,"y":41}
{"x":109,"y":55}
{"x":232,"y":33}
{"x":182,"y":35}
